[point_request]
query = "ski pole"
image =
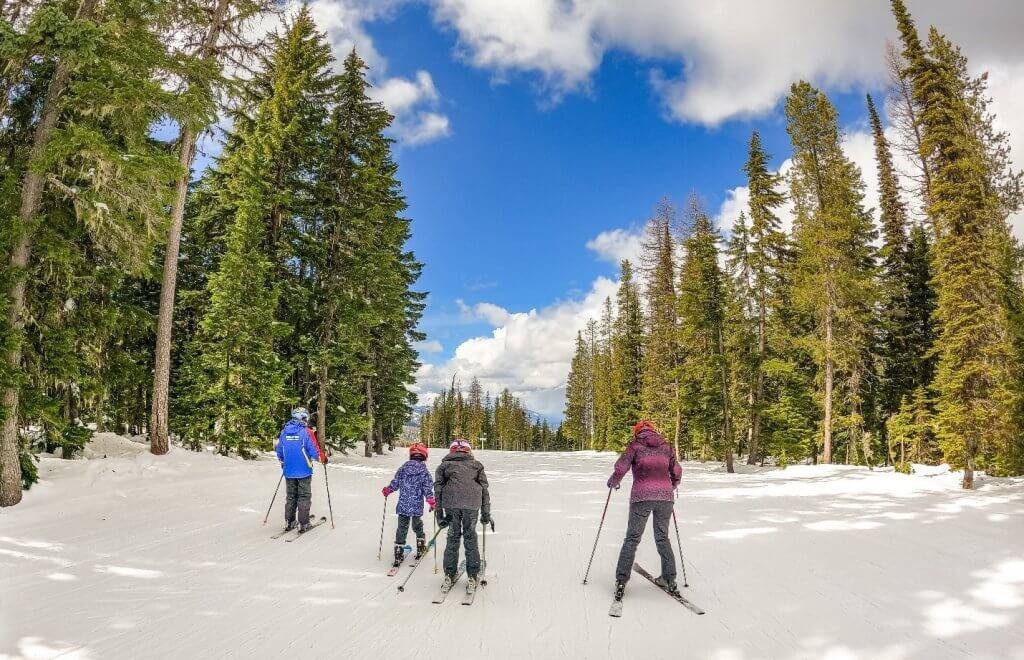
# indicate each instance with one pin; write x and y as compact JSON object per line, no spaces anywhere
{"x":380,"y":548}
{"x":433,"y":542}
{"x":330,"y":509}
{"x":597,"y":538}
{"x":436,"y":531}
{"x":682,"y":562}
{"x":267,"y":517}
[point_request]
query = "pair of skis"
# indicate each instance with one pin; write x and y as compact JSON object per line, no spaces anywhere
{"x":616,"y":608}
{"x":297,"y":531}
{"x":471,"y":588}
{"x":406,"y":551}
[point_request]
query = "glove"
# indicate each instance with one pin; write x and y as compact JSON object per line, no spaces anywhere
{"x":485,"y":517}
{"x":442,"y":520}
{"x":612,"y":484}
{"x":386,"y":491}
{"x":431,"y":502}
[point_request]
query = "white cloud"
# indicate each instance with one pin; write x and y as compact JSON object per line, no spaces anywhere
{"x":615,"y":245}
{"x":723,"y":62}
{"x":527,"y":352}
{"x":409,"y":101}
{"x":429,"y":346}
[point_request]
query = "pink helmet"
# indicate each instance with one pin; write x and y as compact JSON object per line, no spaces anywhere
{"x":458,"y":444}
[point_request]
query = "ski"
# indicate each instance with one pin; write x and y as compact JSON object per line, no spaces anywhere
{"x":616,"y":609}
{"x":443,"y":593}
{"x":393,"y":571}
{"x":470,"y":593}
{"x":312,"y":526}
{"x":676,"y":595}
{"x":282,"y":533}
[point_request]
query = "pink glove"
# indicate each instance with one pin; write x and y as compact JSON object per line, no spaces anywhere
{"x":431,"y":502}
{"x":386,"y":491}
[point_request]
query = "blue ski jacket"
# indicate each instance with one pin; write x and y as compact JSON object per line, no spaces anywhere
{"x":414,"y":484}
{"x":296,"y":449}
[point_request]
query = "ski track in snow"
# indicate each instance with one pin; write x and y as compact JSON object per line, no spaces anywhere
{"x":135,"y":556}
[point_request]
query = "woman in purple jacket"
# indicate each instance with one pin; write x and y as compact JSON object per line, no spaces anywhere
{"x":656,"y":474}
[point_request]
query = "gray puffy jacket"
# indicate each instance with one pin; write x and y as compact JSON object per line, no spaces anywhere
{"x":460,"y":483}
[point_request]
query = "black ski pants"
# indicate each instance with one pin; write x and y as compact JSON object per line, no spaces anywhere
{"x":403,"y":528}
{"x":300,"y":494}
{"x":638,"y":514}
{"x":462,"y":527}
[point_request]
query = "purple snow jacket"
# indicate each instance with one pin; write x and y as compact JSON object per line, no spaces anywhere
{"x":414,"y":484}
{"x":656,"y":473}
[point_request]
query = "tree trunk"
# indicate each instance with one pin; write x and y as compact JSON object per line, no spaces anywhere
{"x":829,"y":368}
{"x":726,"y":412}
{"x":31,"y":196}
{"x":755,"y":417}
{"x":158,"y":426}
{"x":321,"y":408}
{"x":368,"y":450}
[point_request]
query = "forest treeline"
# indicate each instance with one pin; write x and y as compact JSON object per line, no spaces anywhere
{"x":842,"y":339}
{"x":140,"y":299}
{"x":490,"y":422}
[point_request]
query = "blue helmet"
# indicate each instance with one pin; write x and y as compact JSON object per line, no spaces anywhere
{"x":300,"y":414}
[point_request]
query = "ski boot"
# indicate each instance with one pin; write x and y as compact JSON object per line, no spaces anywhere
{"x":668,"y":585}
{"x":399,"y":556}
{"x":449,"y":582}
{"x":421,"y":548}
{"x":289,"y":526}
{"x":620,"y":590}
{"x":472,"y":584}
{"x":304,"y":527}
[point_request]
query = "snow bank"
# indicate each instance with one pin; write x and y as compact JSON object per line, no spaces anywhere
{"x":133,"y":556}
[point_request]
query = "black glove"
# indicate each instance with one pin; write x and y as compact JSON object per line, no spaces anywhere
{"x":442,"y":520}
{"x":485,"y":517}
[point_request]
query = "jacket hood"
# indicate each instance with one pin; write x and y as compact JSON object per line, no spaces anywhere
{"x":650,"y":438}
{"x":294,"y":425}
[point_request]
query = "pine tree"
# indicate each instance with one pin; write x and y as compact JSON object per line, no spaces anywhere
{"x":704,"y":370}
{"x":79,"y":98}
{"x":973,"y":380}
{"x":603,"y":394}
{"x":834,"y":270}
{"x":660,"y":352}
{"x":766,"y":246}
{"x":236,"y":378}
{"x":897,"y":354}
{"x":577,"y":388}
{"x":626,"y":361}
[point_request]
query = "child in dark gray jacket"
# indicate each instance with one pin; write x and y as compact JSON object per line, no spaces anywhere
{"x":461,"y":491}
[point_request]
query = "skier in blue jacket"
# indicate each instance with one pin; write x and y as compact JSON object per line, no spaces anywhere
{"x":414,"y":484}
{"x":297,"y":450}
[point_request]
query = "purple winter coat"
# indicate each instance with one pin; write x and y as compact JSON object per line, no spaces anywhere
{"x":414,"y":484}
{"x":656,"y":473}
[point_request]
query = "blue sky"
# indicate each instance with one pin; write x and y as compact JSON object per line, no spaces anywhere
{"x":527,"y":129}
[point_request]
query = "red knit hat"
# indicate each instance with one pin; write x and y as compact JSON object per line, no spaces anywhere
{"x":419,"y":448}
{"x":641,"y":425}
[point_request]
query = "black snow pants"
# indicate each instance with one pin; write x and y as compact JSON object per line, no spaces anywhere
{"x":403,"y":528}
{"x":300,"y":493}
{"x":462,"y":527}
{"x":638,"y":513}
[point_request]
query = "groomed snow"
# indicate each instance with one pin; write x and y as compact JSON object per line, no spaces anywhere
{"x":126,"y":555}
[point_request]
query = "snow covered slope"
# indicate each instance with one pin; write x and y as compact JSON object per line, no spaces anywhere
{"x":133,"y":556}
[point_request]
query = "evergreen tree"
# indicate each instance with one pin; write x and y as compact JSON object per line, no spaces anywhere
{"x":704,"y":373}
{"x":626,"y":361}
{"x":766,"y":244}
{"x":603,"y":391}
{"x":577,"y":389}
{"x":973,"y":382}
{"x":834,"y":269}
{"x":82,"y":92}
{"x":236,"y":378}
{"x":660,"y":351}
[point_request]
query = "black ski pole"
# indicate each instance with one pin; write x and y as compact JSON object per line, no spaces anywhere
{"x":433,"y":542}
{"x":380,"y":548}
{"x":682,"y":562}
{"x":330,"y":508}
{"x":598,"y":537}
{"x":267,"y":517}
